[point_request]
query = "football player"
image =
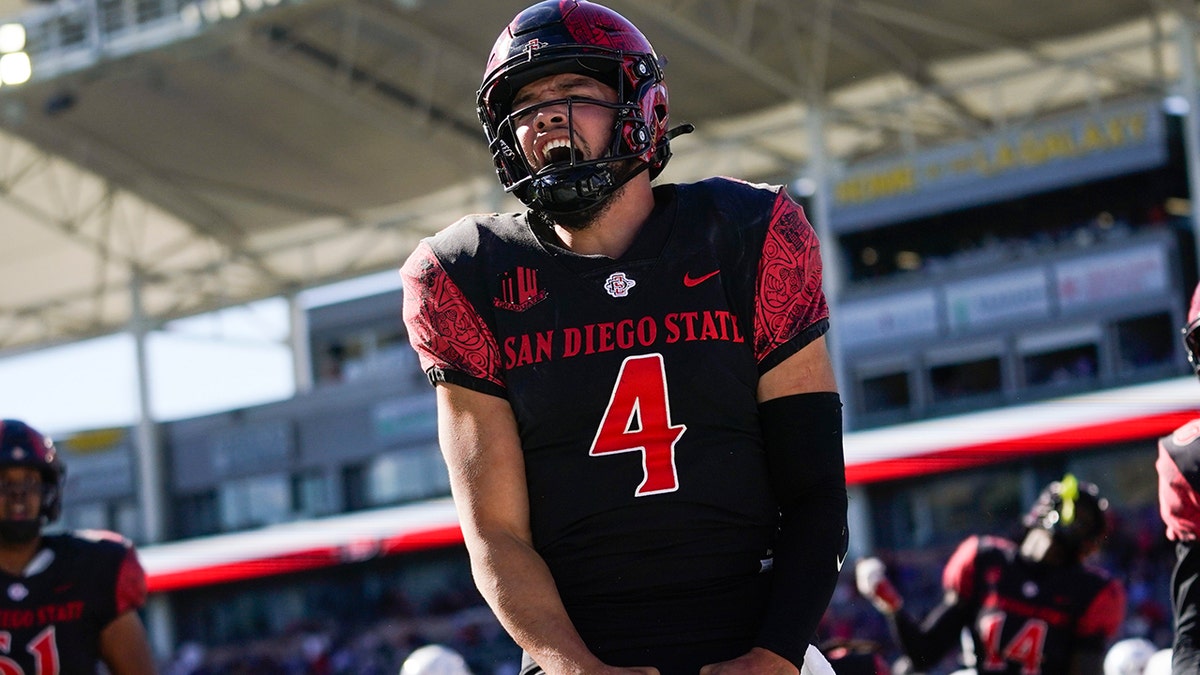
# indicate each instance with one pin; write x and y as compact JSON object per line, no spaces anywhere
{"x":68,"y":601}
{"x":635,"y":398}
{"x":1032,"y":608}
{"x":1178,"y":467}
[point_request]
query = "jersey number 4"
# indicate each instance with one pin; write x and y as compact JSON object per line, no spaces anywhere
{"x":44,"y":649}
{"x":638,"y":419}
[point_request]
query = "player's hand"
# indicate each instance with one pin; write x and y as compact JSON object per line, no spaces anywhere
{"x":757,"y":661}
{"x":873,"y":584}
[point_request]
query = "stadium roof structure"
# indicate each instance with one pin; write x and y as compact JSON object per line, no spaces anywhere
{"x":171,"y":157}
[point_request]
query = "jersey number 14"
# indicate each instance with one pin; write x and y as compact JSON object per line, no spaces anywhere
{"x":1025,"y":647}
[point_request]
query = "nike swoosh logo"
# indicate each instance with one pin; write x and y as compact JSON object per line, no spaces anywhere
{"x":690,"y":281}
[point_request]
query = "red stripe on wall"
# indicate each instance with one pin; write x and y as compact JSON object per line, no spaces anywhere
{"x":1146,"y":429}
{"x":300,"y":561}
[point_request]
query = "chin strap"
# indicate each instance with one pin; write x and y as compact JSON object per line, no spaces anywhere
{"x":579,"y":191}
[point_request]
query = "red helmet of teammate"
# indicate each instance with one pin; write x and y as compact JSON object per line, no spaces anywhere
{"x":22,"y":445}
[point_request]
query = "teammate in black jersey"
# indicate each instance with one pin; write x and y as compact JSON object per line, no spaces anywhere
{"x":635,"y":398}
{"x":1178,"y":468}
{"x":1032,"y":608}
{"x":68,"y":601}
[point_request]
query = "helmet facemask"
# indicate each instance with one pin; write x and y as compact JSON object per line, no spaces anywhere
{"x":25,"y":530}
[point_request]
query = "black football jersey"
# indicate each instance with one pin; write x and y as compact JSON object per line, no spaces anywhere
{"x":1029,"y":619}
{"x":51,"y":616}
{"x":633,"y":382}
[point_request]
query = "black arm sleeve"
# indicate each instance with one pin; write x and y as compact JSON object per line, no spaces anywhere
{"x":802,"y":435}
{"x":927,"y":643}
{"x":1185,"y":601}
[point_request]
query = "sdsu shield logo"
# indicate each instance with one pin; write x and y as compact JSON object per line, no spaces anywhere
{"x":519,"y":290}
{"x":618,"y":284}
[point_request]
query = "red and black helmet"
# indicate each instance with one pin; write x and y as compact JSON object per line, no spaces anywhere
{"x":576,"y":36}
{"x":22,"y":445}
{"x":1191,"y":332}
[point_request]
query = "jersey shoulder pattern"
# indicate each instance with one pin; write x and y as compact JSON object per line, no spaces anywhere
{"x":773,"y":234}
{"x":791,"y":302}
{"x":451,"y":338}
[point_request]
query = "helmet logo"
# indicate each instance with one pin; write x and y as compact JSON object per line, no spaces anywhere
{"x":19,"y":453}
{"x":618,"y":284}
{"x":533,"y":45}
{"x":1070,"y":493}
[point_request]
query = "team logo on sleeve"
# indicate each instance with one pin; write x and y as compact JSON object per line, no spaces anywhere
{"x":519,"y":290}
{"x":618,"y":284}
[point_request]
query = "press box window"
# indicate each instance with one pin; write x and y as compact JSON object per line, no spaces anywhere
{"x":197,"y":514}
{"x":978,"y":377}
{"x":407,"y":475}
{"x":254,"y":501}
{"x":1077,"y":363}
{"x":1146,"y":342}
{"x":886,"y":393}
{"x":312,"y":494}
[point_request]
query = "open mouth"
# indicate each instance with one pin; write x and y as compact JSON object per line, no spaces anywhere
{"x":559,"y":152}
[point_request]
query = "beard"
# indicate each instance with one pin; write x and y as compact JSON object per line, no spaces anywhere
{"x":578,"y":221}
